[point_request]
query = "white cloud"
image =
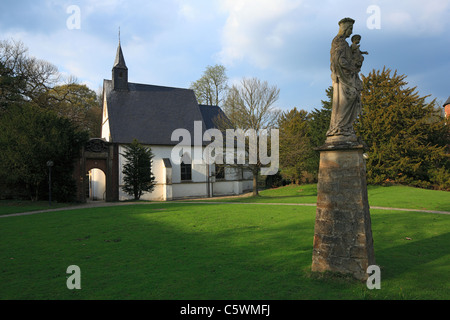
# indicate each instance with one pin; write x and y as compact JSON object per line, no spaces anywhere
{"x":91,"y":7}
{"x":187,"y":11}
{"x":255,"y":28}
{"x":416,"y":17}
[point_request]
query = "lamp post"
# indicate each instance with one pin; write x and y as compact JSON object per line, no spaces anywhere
{"x":50,"y":165}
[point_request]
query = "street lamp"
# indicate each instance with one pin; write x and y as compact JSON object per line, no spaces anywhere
{"x":50,"y":165}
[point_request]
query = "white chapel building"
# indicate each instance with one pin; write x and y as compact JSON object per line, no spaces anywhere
{"x":150,"y":114}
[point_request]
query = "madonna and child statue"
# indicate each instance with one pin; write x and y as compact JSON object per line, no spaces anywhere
{"x":343,"y":239}
{"x":346,"y":61}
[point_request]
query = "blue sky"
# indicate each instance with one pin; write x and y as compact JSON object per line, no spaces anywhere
{"x":285,"y":42}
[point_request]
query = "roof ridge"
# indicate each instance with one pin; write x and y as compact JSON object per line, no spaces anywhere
{"x":152,"y":85}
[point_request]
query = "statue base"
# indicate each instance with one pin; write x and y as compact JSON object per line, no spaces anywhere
{"x":343,"y":240}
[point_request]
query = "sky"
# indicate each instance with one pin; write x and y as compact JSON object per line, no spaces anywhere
{"x":284,"y":42}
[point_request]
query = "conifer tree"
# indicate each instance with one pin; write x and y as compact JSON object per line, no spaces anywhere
{"x":319,"y":122}
{"x":407,"y":136}
{"x":138,"y":176}
{"x":295,"y":146}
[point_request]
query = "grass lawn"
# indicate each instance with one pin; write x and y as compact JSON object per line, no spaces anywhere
{"x":392,"y":196}
{"x":16,"y":206}
{"x":217,"y":251}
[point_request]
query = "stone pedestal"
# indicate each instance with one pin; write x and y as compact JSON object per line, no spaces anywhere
{"x":343,"y":240}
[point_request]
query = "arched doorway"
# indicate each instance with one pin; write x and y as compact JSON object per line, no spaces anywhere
{"x":97,"y":185}
{"x":97,"y":171}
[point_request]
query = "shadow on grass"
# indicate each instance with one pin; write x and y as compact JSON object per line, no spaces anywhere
{"x":415,"y":255}
{"x":186,"y":251}
{"x":144,"y":253}
{"x":17,"y":206}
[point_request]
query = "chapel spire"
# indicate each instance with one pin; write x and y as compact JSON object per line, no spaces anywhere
{"x":119,"y":70}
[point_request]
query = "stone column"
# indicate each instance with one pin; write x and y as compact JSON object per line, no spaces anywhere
{"x":343,"y":240}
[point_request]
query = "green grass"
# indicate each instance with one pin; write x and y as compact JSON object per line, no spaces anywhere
{"x":409,"y":197}
{"x":17,"y":206}
{"x":392,"y":196}
{"x":216,"y":251}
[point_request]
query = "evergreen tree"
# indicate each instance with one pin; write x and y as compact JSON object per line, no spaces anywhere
{"x":29,"y":137}
{"x":137,"y":171}
{"x":407,"y":136}
{"x":295,"y":145}
{"x":319,"y":122}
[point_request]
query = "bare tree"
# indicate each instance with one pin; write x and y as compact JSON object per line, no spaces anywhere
{"x":249,"y":105}
{"x":27,"y":77}
{"x":35,"y":81}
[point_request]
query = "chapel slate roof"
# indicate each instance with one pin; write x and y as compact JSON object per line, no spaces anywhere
{"x":151,"y":113}
{"x":210,"y":114}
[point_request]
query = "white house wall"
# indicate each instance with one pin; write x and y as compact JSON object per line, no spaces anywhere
{"x":106,"y":134}
{"x":158,"y":171}
{"x":232,"y":184}
{"x":223,"y":188}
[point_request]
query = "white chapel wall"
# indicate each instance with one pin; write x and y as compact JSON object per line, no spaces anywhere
{"x":232,"y":184}
{"x":105,"y":122}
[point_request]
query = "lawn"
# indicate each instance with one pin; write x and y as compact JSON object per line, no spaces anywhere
{"x":216,"y":251}
{"x":15,"y":206}
{"x":392,"y":196}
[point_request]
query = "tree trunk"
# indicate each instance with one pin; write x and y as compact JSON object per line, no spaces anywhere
{"x":29,"y":191}
{"x":255,"y":183}
{"x":35,"y":192}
